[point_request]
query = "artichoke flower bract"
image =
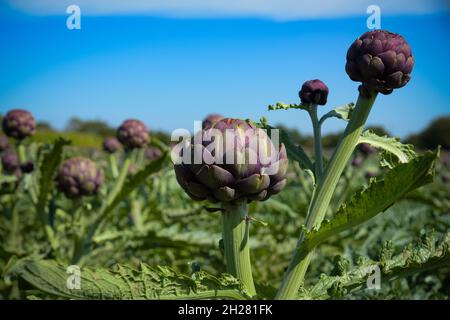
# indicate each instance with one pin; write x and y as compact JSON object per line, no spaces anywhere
{"x":10,"y":162}
{"x":314,"y":92}
{"x":381,"y":60}
{"x":152,"y":153}
{"x":78,"y":177}
{"x":4,"y":143}
{"x":244,"y":165}
{"x":19,"y":124}
{"x":133,"y":134}
{"x":111,"y":145}
{"x":211,"y":119}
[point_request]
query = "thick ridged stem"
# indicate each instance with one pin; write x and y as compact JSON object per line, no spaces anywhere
{"x":317,"y":141}
{"x":113,"y":165}
{"x":235,"y":229}
{"x":298,"y":266}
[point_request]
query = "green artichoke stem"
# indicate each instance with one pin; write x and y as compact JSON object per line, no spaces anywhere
{"x":294,"y":276}
{"x":113,"y":165}
{"x":236,"y":244}
{"x":21,"y":152}
{"x":317,"y":141}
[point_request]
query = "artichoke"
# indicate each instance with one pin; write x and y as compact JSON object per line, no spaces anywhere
{"x":234,"y":171}
{"x":133,"y":134}
{"x":211,"y":119}
{"x":152,"y":153}
{"x":381,"y":60}
{"x":4,"y":143}
{"x":19,"y":124}
{"x":27,"y":167}
{"x":111,"y":145}
{"x":366,"y":149}
{"x":356,"y":162}
{"x":314,"y":92}
{"x":79,"y":177}
{"x":10,"y":162}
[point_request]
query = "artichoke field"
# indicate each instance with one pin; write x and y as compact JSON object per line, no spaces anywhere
{"x":144,"y":219}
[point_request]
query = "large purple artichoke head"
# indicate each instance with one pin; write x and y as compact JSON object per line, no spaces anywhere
{"x":381,"y":60}
{"x":10,"y":162}
{"x":133,"y":134}
{"x":230,"y":162}
{"x":19,"y":124}
{"x":314,"y":92}
{"x":4,"y":143}
{"x":210,"y":120}
{"x":152,"y":153}
{"x":78,"y":177}
{"x":111,"y":145}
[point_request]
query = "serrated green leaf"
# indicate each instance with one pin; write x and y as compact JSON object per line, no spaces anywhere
{"x":427,"y":254}
{"x":394,"y":151}
{"x":123,"y":282}
{"x":285,"y":106}
{"x":48,"y":166}
{"x":382,"y":193}
{"x":343,"y":112}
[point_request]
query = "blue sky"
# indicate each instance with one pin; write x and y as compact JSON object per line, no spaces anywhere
{"x":172,"y":64}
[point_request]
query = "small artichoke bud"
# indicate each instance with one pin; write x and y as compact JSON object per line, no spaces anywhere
{"x":78,"y":177}
{"x":152,"y":153}
{"x":236,"y":172}
{"x":314,"y":92}
{"x":19,"y":124}
{"x":27,"y":167}
{"x":111,"y":145}
{"x":356,"y":162}
{"x":381,"y":60}
{"x":10,"y":162}
{"x":210,"y":120}
{"x":4,"y":143}
{"x":133,"y":134}
{"x":366,"y":149}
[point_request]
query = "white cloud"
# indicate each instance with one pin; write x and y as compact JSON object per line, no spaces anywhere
{"x":272,"y":9}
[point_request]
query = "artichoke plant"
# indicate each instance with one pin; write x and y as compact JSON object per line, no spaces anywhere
{"x":133,"y":134}
{"x":78,"y":177}
{"x":111,"y":145}
{"x":233,"y":181}
{"x":381,"y":60}
{"x":19,"y":124}
{"x":211,"y":119}
{"x":314,"y":92}
{"x":366,"y":149}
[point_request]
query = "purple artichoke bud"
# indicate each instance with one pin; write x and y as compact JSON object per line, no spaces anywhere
{"x":356,"y":162}
{"x":152,"y":153}
{"x":244,"y":165}
{"x":111,"y":145}
{"x":366,"y":149}
{"x":79,"y":177}
{"x":19,"y":124}
{"x":445,"y":178}
{"x":314,"y":92}
{"x":4,"y":143}
{"x":133,"y":134}
{"x":10,"y":162}
{"x":210,"y":120}
{"x":27,"y":167}
{"x":370,"y":174}
{"x":381,"y":60}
